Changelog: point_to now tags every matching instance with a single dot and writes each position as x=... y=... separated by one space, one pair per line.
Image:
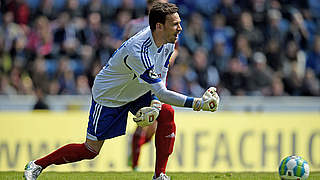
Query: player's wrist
x=194 y=103
x=197 y=104
x=156 y=104
x=189 y=101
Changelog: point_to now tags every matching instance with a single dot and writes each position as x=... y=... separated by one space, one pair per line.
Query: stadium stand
x=245 y=48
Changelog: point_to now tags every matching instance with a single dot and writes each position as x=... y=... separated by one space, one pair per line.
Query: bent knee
x=90 y=153
x=94 y=146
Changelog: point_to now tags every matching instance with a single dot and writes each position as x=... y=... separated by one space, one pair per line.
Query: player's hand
x=146 y=115
x=208 y=102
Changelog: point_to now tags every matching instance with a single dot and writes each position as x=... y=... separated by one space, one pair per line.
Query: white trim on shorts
x=96 y=115
x=91 y=137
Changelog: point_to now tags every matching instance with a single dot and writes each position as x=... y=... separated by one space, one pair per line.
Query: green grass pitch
x=148 y=176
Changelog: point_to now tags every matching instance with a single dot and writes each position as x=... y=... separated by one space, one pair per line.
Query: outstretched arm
x=208 y=102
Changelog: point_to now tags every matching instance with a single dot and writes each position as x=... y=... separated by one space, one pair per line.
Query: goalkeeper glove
x=208 y=102
x=146 y=115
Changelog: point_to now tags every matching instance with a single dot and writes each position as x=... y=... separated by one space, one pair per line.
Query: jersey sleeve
x=168 y=96
x=140 y=63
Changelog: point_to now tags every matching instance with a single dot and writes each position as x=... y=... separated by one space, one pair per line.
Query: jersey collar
x=153 y=46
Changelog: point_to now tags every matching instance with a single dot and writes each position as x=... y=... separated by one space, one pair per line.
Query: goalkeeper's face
x=172 y=28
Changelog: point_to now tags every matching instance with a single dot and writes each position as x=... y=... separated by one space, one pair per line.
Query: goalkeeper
x=143 y=135
x=133 y=80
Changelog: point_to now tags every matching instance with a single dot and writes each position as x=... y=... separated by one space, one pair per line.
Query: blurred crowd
x=243 y=47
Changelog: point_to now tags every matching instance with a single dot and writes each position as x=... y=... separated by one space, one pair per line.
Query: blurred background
x=245 y=48
x=262 y=55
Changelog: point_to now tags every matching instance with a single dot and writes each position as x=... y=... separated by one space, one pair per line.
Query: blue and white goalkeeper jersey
x=137 y=67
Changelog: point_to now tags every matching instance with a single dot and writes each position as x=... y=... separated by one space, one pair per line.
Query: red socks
x=138 y=140
x=165 y=137
x=67 y=154
x=164 y=141
x=140 y=137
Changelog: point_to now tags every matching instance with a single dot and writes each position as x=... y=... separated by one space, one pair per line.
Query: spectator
x=11 y=30
x=39 y=74
x=258 y=10
x=310 y=26
x=314 y=6
x=117 y=27
x=87 y=55
x=46 y=8
x=5 y=87
x=230 y=11
x=310 y=84
x=294 y=68
x=220 y=57
x=294 y=60
x=73 y=8
x=65 y=77
x=243 y=49
x=95 y=6
x=274 y=55
x=177 y=80
x=298 y=31
x=40 y=101
x=219 y=33
x=15 y=80
x=54 y=87
x=21 y=11
x=253 y=34
x=313 y=59
x=203 y=75
x=235 y=78
x=40 y=39
x=87 y=32
x=276 y=27
x=277 y=87
x=260 y=76
x=82 y=85
x=206 y=7
x=93 y=31
x=194 y=35
x=19 y=54
x=68 y=33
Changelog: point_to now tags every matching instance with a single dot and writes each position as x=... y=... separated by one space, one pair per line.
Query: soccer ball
x=294 y=167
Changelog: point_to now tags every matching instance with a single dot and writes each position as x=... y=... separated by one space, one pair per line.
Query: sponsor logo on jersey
x=152 y=74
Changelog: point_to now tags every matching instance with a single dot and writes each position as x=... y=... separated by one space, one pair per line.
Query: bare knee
x=94 y=145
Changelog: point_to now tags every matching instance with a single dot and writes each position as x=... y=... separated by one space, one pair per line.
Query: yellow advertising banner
x=223 y=141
